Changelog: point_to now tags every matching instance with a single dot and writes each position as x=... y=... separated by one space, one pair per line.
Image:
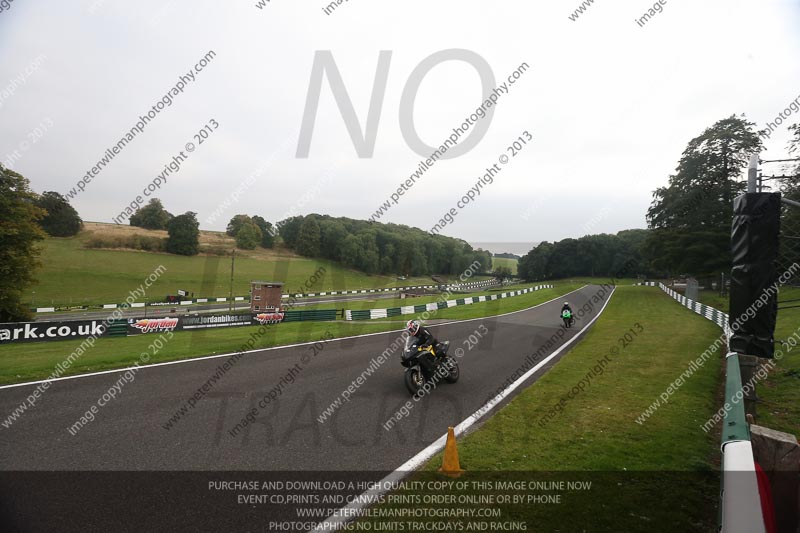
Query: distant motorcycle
x=428 y=364
x=566 y=316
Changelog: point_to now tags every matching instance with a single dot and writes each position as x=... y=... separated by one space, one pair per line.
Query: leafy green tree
x=235 y=224
x=332 y=234
x=565 y=260
x=151 y=216
x=19 y=233
x=61 y=219
x=535 y=265
x=437 y=259
x=379 y=247
x=791 y=187
x=368 y=257
x=631 y=257
x=309 y=237
x=600 y=255
x=387 y=264
x=485 y=259
x=349 y=251
x=289 y=230
x=267 y=236
x=248 y=236
x=698 y=202
x=789 y=252
x=184 y=234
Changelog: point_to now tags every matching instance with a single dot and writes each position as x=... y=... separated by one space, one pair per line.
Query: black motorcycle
x=427 y=364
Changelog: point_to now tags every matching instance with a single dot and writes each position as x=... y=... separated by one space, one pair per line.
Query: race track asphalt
x=128 y=433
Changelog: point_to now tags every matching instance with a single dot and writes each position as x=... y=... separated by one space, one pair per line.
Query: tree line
x=688 y=221
x=688 y=228
x=372 y=247
x=26 y=218
x=379 y=248
x=601 y=255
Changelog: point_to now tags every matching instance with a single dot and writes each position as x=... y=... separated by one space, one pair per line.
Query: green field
x=31 y=361
x=506 y=262
x=73 y=275
x=662 y=472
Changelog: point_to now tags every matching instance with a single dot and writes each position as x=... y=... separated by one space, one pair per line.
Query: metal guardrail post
x=740 y=501
x=735 y=419
x=749 y=366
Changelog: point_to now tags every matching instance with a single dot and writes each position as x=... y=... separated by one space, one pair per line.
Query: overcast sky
x=610 y=104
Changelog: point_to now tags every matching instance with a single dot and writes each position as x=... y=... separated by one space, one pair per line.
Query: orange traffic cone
x=450 y=466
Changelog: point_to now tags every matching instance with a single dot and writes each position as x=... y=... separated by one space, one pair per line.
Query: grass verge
x=645 y=476
x=779 y=394
x=31 y=361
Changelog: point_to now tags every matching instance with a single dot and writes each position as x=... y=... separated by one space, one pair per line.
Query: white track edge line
x=217 y=356
x=335 y=522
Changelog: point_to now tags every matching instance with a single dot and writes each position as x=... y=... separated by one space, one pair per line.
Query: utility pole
x=752 y=173
x=748 y=364
x=230 y=298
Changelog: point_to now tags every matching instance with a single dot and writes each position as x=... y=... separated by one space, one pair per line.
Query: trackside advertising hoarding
x=50 y=331
x=216 y=321
x=268 y=318
x=137 y=326
x=61 y=330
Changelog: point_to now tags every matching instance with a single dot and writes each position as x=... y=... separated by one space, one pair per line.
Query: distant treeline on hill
x=506 y=255
x=375 y=247
x=593 y=255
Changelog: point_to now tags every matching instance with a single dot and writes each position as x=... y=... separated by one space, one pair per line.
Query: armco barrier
x=741 y=504
x=317 y=315
x=455 y=287
x=371 y=314
x=65 y=330
x=138 y=326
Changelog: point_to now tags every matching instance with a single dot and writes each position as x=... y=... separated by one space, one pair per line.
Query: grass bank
x=648 y=476
x=74 y=275
x=30 y=361
x=779 y=394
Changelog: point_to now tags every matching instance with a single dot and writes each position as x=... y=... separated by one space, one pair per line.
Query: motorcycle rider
x=566 y=307
x=423 y=334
